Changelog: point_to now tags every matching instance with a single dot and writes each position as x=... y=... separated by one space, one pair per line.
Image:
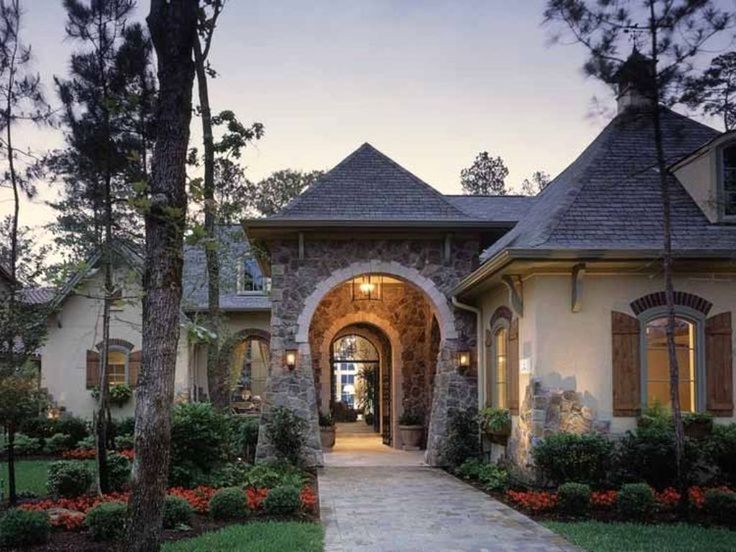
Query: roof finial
x=635 y=80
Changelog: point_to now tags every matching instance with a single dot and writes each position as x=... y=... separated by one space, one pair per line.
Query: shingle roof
x=38 y=295
x=493 y=208
x=5 y=274
x=367 y=185
x=609 y=197
x=234 y=247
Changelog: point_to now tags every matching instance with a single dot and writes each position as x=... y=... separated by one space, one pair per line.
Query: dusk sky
x=429 y=83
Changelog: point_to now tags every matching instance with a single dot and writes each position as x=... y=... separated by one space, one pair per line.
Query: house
x=550 y=307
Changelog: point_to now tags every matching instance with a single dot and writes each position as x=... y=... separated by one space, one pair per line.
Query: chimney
x=635 y=80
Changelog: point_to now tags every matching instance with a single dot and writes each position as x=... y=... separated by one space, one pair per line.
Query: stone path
x=385 y=503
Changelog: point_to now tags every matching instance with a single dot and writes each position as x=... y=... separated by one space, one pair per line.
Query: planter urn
x=411 y=436
x=499 y=435
x=327 y=435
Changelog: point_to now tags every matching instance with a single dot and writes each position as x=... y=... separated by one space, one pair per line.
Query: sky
x=430 y=83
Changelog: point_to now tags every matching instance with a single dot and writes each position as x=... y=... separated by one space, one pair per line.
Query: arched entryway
x=400 y=332
x=249 y=355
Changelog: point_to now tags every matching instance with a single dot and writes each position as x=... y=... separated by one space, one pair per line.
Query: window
x=656 y=384
x=729 y=181
x=500 y=357
x=250 y=278
x=117 y=366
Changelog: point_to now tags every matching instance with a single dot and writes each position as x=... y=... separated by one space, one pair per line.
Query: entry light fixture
x=290 y=359
x=463 y=361
x=368 y=287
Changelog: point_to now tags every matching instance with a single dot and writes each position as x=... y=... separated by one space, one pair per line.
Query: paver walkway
x=386 y=503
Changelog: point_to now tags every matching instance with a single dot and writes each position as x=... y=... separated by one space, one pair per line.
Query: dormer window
x=251 y=280
x=728 y=179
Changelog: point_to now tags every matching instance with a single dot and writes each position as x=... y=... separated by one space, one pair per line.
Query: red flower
x=534 y=501
x=603 y=499
x=198 y=498
x=128 y=453
x=79 y=454
x=668 y=498
x=308 y=498
x=256 y=497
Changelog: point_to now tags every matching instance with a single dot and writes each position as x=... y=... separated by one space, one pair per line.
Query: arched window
x=117 y=365
x=689 y=339
x=497 y=363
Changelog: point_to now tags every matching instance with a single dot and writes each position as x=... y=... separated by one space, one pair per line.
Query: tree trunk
x=668 y=269
x=12 y=495
x=217 y=379
x=173 y=31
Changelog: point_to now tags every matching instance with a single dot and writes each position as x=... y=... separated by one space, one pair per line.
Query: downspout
x=479 y=345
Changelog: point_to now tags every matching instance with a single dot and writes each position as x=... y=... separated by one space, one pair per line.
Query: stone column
x=452 y=391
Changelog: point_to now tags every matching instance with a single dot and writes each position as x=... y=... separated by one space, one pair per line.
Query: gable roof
x=609 y=197
x=367 y=185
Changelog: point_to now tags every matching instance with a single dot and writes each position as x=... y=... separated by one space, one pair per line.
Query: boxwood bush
x=720 y=452
x=721 y=506
x=567 y=457
x=463 y=437
x=177 y=511
x=574 y=498
x=282 y=501
x=635 y=501
x=229 y=504
x=69 y=478
x=118 y=471
x=20 y=528
x=107 y=521
x=287 y=433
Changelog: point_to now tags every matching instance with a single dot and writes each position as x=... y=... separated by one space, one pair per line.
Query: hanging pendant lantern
x=368 y=287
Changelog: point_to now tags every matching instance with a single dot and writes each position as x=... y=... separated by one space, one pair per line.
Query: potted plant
x=496 y=423
x=411 y=426
x=326 y=430
x=698 y=425
x=367 y=393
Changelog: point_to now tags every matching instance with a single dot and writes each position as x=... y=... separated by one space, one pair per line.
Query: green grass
x=256 y=537
x=30 y=475
x=597 y=536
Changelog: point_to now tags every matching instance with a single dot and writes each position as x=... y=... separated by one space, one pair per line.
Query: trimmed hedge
x=177 y=511
x=107 y=521
x=229 y=504
x=282 y=501
x=574 y=498
x=23 y=528
x=69 y=478
x=568 y=457
x=635 y=501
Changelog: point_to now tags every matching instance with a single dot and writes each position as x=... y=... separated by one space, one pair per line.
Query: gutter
x=479 y=347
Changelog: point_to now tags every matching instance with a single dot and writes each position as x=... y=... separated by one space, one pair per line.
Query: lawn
x=30 y=475
x=256 y=537
x=597 y=536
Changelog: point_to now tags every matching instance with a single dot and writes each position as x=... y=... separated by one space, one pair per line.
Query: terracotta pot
x=411 y=435
x=327 y=434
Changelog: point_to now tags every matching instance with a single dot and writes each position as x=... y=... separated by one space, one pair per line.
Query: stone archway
x=295 y=388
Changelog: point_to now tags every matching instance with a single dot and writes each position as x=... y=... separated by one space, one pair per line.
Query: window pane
x=501 y=345
x=116 y=361
x=657 y=359
x=729 y=180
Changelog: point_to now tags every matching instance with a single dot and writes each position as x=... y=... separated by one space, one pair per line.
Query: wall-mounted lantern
x=290 y=359
x=463 y=361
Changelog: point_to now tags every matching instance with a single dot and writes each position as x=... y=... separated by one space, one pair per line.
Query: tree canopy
x=486 y=176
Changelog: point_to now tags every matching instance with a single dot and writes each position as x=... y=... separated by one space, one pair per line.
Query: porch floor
x=357 y=445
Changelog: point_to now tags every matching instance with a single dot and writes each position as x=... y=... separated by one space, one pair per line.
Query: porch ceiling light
x=290 y=359
x=368 y=287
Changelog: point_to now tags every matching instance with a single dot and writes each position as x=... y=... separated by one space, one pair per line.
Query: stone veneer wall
x=402 y=306
x=299 y=285
x=545 y=412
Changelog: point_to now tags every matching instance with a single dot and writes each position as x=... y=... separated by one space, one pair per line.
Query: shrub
x=124 y=442
x=244 y=436
x=325 y=419
x=635 y=501
x=75 y=428
x=495 y=420
x=721 y=505
x=125 y=426
x=282 y=501
x=490 y=476
x=720 y=451
x=229 y=504
x=118 y=471
x=463 y=437
x=411 y=418
x=648 y=455
x=233 y=474
x=276 y=474
x=120 y=394
x=57 y=443
x=23 y=445
x=39 y=428
x=23 y=528
x=574 y=498
x=287 y=433
x=568 y=457
x=199 y=443
x=177 y=511
x=69 y=478
x=470 y=469
x=107 y=521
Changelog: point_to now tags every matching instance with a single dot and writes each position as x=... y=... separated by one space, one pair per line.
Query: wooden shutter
x=134 y=367
x=626 y=364
x=93 y=369
x=512 y=376
x=719 y=365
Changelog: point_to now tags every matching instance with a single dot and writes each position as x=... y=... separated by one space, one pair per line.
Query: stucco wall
x=572 y=351
x=699 y=178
